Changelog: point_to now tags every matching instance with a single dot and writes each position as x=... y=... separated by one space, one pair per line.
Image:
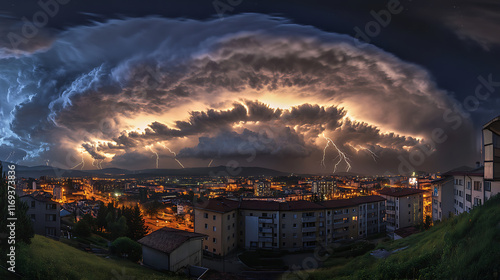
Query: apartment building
x=357 y=217
x=324 y=189
x=262 y=189
x=491 y=152
x=468 y=189
x=217 y=219
x=290 y=225
x=442 y=206
x=403 y=207
x=44 y=213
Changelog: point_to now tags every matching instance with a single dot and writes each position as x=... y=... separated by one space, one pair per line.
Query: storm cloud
x=216 y=89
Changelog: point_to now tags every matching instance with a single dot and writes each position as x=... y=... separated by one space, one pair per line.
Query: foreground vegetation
x=45 y=258
x=463 y=247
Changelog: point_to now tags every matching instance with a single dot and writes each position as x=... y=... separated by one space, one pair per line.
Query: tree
x=137 y=225
x=126 y=247
x=24 y=227
x=152 y=208
x=118 y=228
x=82 y=228
x=428 y=222
x=101 y=217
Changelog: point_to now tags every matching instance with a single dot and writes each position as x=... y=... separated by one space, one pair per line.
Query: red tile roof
x=168 y=239
x=399 y=192
x=222 y=205
x=260 y=205
x=303 y=205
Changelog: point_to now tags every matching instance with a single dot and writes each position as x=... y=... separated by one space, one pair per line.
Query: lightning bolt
x=210 y=163
x=11 y=154
x=150 y=147
x=341 y=155
x=97 y=164
x=82 y=163
x=175 y=155
x=374 y=156
x=324 y=154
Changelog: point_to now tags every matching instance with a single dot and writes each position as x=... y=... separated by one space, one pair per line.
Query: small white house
x=172 y=249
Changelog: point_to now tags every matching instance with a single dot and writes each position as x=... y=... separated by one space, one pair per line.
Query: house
x=172 y=249
x=44 y=213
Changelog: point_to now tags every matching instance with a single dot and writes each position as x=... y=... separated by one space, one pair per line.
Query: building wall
x=410 y=210
x=225 y=230
x=189 y=253
x=290 y=230
x=46 y=221
x=403 y=211
x=155 y=258
x=344 y=223
x=442 y=205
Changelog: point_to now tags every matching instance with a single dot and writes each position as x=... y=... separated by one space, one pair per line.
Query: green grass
x=463 y=247
x=48 y=259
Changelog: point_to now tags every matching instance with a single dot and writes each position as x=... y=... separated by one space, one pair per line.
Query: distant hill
x=38 y=171
x=462 y=247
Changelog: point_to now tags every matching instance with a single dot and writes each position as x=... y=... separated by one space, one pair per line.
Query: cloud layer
x=252 y=88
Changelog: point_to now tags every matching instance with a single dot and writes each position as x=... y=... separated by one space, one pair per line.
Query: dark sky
x=279 y=84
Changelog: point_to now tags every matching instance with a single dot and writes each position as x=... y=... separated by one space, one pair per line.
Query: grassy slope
x=49 y=259
x=463 y=247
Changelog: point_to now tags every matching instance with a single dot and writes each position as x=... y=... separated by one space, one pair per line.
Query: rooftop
x=342 y=203
x=40 y=196
x=464 y=171
x=226 y=205
x=168 y=239
x=221 y=205
x=399 y=192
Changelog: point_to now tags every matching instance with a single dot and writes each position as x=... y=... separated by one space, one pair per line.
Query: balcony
x=266 y=239
x=309 y=238
x=309 y=229
x=265 y=220
x=308 y=219
x=266 y=230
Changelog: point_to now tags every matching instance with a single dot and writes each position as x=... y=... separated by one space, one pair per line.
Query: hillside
x=38 y=171
x=463 y=247
x=49 y=259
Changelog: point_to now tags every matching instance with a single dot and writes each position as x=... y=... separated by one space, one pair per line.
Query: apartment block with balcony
x=355 y=218
x=468 y=190
x=44 y=213
x=291 y=225
x=404 y=207
x=442 y=205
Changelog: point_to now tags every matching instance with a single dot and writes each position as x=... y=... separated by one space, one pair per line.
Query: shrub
x=126 y=247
